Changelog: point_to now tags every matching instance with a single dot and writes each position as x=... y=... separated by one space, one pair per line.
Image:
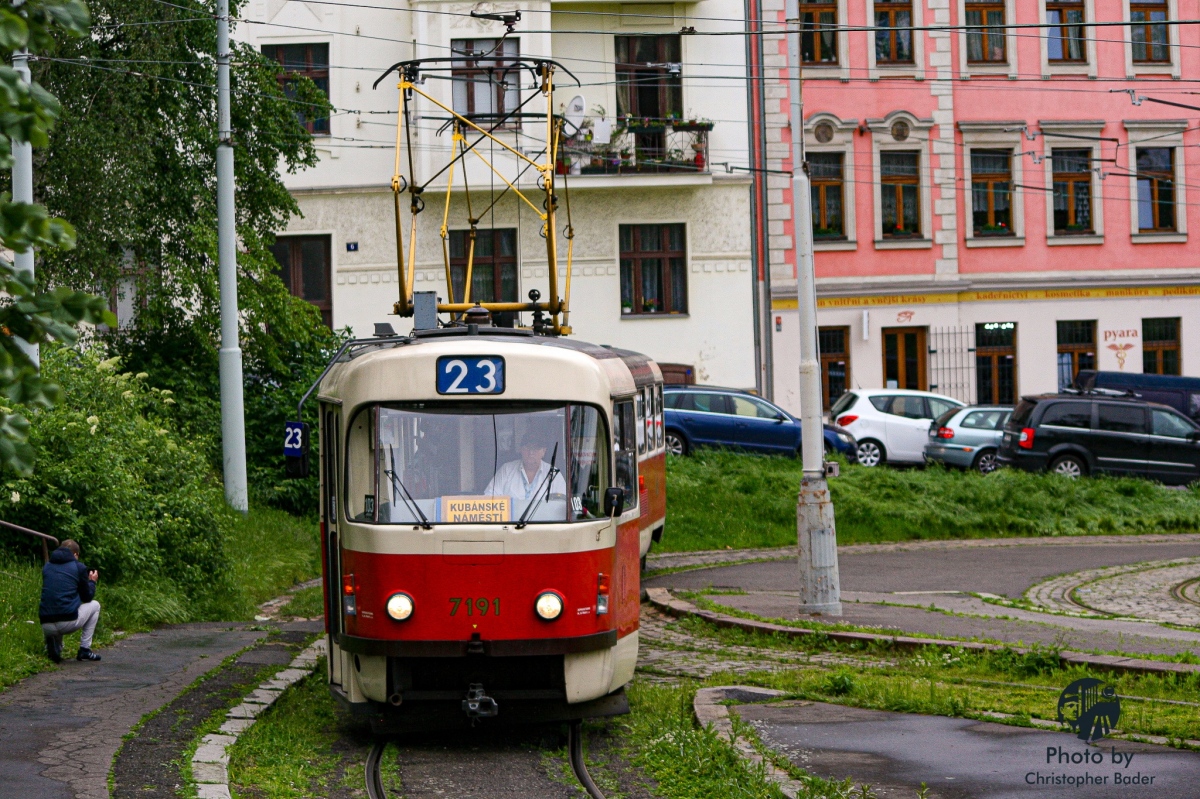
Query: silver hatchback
x=968 y=437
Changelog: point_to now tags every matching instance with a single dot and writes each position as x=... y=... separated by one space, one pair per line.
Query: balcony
x=634 y=146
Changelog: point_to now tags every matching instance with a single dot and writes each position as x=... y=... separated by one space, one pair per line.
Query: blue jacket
x=65 y=586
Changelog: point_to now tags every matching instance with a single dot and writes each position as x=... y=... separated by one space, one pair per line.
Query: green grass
x=308 y=603
x=719 y=499
x=271 y=551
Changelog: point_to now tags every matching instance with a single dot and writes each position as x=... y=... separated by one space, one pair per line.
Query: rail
x=36 y=534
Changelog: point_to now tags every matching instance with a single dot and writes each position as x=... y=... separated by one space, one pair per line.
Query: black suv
x=1080 y=434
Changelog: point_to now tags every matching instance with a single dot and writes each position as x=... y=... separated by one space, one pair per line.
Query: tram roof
x=359 y=370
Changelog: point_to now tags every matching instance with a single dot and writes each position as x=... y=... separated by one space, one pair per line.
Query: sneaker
x=87 y=654
x=54 y=648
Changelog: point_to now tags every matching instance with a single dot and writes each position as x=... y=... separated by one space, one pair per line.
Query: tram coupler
x=478 y=705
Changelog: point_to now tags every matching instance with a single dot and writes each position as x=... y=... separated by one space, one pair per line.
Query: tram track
x=373 y=770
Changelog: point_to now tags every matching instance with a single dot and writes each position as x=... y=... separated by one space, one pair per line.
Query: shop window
x=893 y=32
x=985 y=43
x=995 y=363
x=818 y=32
x=1072 y=175
x=835 y=363
x=904 y=358
x=494 y=267
x=901 y=194
x=306 y=61
x=653 y=270
x=828 y=194
x=1156 y=189
x=1064 y=37
x=991 y=192
x=1148 y=31
x=1160 y=346
x=487 y=83
x=304 y=267
x=1076 y=350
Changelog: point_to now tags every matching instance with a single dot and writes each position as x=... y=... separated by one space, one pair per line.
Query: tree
x=27 y=113
x=134 y=161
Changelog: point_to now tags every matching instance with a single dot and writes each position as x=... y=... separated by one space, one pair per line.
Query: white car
x=890 y=424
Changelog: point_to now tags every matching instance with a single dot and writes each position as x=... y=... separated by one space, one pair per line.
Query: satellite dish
x=574 y=113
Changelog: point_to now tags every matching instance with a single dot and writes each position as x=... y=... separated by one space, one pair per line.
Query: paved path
x=924 y=588
x=895 y=753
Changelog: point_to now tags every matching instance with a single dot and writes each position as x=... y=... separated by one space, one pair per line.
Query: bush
x=114 y=474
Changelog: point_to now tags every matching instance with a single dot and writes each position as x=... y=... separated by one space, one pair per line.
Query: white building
x=662 y=248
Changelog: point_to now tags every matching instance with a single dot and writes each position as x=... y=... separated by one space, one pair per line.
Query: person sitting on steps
x=68 y=602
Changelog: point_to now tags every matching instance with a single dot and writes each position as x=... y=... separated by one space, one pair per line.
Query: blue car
x=708 y=416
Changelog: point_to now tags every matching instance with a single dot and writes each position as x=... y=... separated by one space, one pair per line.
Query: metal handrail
x=27 y=531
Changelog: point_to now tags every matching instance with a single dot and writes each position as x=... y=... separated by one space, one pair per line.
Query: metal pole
x=820 y=589
x=22 y=189
x=233 y=421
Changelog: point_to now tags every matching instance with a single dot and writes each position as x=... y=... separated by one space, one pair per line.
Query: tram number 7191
x=475 y=607
x=470 y=375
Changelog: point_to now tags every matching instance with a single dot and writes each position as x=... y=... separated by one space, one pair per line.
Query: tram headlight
x=549 y=605
x=400 y=606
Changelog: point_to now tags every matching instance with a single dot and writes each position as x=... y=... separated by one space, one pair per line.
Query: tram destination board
x=470 y=374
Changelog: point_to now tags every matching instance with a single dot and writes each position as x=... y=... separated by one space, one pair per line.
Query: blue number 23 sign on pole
x=470 y=374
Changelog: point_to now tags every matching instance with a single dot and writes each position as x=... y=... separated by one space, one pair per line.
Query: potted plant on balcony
x=649 y=305
x=645 y=125
x=626 y=307
x=693 y=125
x=1000 y=229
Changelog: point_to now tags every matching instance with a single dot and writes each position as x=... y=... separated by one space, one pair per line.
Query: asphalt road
x=895 y=753
x=995 y=569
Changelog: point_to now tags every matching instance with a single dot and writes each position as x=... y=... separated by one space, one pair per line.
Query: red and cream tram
x=487 y=494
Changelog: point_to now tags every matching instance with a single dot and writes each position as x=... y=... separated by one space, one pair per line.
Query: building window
x=985 y=37
x=1148 y=31
x=1076 y=350
x=1160 y=346
x=653 y=269
x=304 y=267
x=825 y=170
x=835 y=363
x=493 y=269
x=818 y=32
x=893 y=46
x=1156 y=189
x=995 y=363
x=900 y=175
x=1064 y=37
x=649 y=88
x=307 y=61
x=904 y=358
x=1072 y=175
x=991 y=192
x=487 y=84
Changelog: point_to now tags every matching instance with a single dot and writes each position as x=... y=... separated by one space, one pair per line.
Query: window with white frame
x=1072 y=191
x=1074 y=207
x=829 y=150
x=818 y=32
x=903 y=207
x=993 y=167
x=895 y=48
x=1157 y=180
x=1064 y=35
x=984 y=46
x=991 y=192
x=1151 y=40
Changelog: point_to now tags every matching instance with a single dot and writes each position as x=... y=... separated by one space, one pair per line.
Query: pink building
x=993 y=212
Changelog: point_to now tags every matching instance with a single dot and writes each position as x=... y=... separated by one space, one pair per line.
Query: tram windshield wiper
x=548 y=481
x=400 y=491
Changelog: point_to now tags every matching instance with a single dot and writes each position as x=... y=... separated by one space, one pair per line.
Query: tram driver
x=522 y=478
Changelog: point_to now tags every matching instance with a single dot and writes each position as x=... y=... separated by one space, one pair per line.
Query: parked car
x=890 y=424
x=1181 y=393
x=1093 y=433
x=728 y=417
x=968 y=437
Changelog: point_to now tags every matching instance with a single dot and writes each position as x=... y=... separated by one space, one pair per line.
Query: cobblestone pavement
x=60 y=729
x=1161 y=591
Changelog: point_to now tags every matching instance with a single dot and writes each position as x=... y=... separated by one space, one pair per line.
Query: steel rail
x=374 y=774
x=578 y=765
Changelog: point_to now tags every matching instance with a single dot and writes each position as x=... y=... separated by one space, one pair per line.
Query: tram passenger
x=521 y=478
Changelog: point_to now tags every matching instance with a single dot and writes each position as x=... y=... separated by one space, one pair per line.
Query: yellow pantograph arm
x=516 y=191
x=406 y=85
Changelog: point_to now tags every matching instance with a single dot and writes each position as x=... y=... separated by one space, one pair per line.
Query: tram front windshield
x=460 y=463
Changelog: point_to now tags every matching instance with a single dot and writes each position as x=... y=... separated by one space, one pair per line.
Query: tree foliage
x=134 y=162
x=27 y=114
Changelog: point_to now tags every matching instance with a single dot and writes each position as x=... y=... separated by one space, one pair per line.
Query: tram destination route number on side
x=462 y=374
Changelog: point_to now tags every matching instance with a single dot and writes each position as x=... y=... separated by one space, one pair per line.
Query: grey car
x=968 y=437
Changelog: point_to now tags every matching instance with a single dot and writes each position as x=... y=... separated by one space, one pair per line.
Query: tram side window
x=658 y=416
x=625 y=450
x=589 y=461
x=640 y=404
x=360 y=469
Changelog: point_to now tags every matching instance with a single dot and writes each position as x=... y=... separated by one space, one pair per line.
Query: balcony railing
x=637 y=147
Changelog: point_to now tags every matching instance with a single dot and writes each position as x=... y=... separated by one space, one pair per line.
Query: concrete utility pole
x=22 y=189
x=233 y=419
x=820 y=588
